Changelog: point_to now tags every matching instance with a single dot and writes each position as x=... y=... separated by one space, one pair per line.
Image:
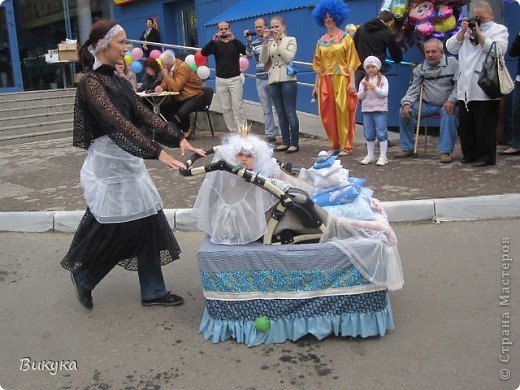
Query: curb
x=434 y=210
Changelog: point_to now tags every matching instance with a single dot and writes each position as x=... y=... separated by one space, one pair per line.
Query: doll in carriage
x=290 y=254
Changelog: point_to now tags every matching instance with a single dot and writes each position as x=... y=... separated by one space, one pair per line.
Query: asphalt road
x=450 y=330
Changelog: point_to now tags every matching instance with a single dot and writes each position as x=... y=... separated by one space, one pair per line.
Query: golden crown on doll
x=244 y=129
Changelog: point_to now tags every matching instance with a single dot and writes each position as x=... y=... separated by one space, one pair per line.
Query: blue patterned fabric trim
x=272 y=280
x=275 y=309
x=349 y=324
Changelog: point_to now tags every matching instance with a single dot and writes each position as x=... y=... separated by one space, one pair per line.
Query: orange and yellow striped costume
x=335 y=62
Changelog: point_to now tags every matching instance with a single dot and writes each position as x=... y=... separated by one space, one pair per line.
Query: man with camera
x=478 y=113
x=227 y=50
x=253 y=49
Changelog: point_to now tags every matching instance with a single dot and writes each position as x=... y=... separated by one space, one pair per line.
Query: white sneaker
x=368 y=160
x=381 y=161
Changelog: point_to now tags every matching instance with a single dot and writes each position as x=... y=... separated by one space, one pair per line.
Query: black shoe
x=482 y=163
x=281 y=148
x=168 y=300
x=466 y=160
x=507 y=152
x=84 y=296
x=271 y=139
x=291 y=151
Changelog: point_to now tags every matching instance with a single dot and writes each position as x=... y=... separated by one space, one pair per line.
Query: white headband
x=108 y=37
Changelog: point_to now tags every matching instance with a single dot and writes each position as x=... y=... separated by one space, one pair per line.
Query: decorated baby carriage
x=267 y=289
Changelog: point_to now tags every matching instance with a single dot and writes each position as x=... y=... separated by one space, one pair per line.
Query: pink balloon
x=244 y=64
x=155 y=54
x=137 y=53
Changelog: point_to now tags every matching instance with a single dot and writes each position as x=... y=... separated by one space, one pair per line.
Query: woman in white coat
x=478 y=113
x=276 y=54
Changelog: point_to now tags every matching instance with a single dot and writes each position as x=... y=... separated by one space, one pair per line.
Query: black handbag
x=488 y=78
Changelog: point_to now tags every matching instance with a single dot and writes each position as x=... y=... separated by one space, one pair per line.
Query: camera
x=224 y=35
x=250 y=34
x=473 y=22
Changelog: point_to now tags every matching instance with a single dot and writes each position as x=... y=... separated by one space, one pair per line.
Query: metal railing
x=195 y=49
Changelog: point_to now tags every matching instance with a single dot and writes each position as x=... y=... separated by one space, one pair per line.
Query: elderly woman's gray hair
x=167 y=57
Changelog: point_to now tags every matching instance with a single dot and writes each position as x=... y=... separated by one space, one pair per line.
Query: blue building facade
x=205 y=14
x=190 y=23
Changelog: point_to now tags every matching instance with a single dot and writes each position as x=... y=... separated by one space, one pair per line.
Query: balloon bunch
x=134 y=57
x=433 y=19
x=197 y=62
x=418 y=20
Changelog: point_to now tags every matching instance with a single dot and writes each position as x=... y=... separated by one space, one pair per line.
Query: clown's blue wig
x=336 y=8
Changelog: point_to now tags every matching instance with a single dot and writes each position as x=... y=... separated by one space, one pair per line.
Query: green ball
x=262 y=324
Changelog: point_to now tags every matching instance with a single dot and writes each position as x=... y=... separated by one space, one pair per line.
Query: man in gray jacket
x=438 y=75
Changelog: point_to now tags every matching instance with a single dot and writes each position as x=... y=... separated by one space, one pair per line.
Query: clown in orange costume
x=335 y=62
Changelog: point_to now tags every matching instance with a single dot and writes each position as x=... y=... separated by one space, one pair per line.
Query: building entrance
x=181 y=28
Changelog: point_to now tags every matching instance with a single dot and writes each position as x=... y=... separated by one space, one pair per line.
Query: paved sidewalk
x=43 y=176
x=447 y=334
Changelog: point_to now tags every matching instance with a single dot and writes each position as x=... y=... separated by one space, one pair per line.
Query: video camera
x=250 y=34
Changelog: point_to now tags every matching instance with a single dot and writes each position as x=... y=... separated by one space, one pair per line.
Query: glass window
x=40 y=27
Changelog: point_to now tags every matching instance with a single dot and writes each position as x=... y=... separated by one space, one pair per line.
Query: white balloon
x=190 y=59
x=203 y=72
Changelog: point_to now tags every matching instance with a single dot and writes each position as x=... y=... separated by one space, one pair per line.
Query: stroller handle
x=190 y=171
x=222 y=165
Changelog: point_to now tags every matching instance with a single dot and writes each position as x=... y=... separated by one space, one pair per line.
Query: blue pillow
x=357 y=209
x=340 y=195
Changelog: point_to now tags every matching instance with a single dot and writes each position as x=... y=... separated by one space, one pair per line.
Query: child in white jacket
x=373 y=93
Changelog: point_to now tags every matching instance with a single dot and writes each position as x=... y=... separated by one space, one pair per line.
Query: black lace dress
x=107 y=106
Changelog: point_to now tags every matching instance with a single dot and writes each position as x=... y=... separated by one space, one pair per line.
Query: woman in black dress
x=151 y=34
x=124 y=223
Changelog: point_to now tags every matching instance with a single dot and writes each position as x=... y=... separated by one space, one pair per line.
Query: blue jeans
x=150 y=278
x=374 y=125
x=448 y=127
x=284 y=99
x=262 y=88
